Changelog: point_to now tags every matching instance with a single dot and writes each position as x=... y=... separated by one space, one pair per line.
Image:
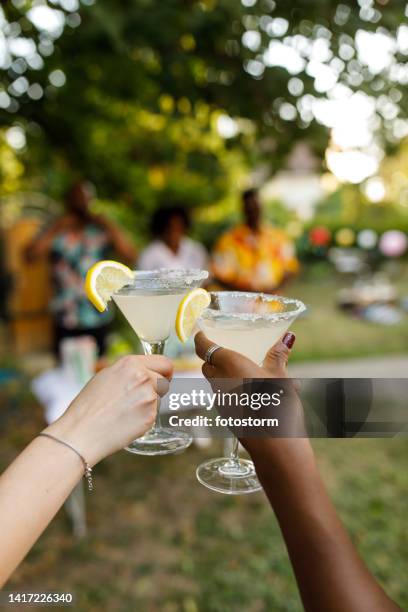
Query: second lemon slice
x=190 y=308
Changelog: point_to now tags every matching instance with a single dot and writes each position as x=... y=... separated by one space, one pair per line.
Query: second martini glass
x=249 y=323
x=150 y=305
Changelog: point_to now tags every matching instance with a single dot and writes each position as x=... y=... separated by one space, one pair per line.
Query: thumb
x=276 y=359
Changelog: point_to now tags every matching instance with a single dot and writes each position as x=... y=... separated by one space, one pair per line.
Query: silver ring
x=210 y=352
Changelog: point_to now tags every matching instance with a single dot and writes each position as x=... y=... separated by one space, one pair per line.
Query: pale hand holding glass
x=150 y=304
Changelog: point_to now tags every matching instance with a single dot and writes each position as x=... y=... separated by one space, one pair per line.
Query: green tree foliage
x=130 y=92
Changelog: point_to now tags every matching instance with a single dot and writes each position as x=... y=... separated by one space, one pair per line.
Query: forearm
x=121 y=244
x=116 y=406
x=40 y=246
x=330 y=574
x=32 y=490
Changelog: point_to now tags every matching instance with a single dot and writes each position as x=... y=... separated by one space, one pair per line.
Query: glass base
x=229 y=477
x=160 y=441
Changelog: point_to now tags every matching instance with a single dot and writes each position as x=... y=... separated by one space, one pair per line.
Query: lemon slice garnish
x=103 y=279
x=190 y=308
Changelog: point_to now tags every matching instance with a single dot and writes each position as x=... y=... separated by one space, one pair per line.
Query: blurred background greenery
x=183 y=100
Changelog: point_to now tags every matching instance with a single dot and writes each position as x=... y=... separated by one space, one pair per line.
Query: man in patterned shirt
x=254 y=256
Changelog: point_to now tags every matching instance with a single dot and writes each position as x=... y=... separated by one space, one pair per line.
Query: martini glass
x=249 y=323
x=150 y=304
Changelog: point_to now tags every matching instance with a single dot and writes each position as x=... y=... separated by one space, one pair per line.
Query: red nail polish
x=289 y=340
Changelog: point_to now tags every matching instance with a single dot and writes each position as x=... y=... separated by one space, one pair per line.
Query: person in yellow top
x=254 y=256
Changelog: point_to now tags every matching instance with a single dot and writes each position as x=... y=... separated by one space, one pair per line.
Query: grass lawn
x=328 y=333
x=159 y=542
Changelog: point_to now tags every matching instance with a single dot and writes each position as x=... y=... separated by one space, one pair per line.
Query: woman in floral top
x=254 y=256
x=73 y=243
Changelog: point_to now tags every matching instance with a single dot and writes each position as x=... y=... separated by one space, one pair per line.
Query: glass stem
x=234 y=458
x=154 y=348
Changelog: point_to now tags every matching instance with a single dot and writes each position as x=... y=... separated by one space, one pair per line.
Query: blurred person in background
x=73 y=243
x=171 y=247
x=254 y=256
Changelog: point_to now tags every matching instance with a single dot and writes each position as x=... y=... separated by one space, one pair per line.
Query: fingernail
x=289 y=340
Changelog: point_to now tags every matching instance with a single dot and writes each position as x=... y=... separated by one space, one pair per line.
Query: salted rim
x=163 y=278
x=213 y=313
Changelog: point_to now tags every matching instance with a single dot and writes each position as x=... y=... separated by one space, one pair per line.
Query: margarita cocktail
x=151 y=314
x=249 y=323
x=149 y=303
